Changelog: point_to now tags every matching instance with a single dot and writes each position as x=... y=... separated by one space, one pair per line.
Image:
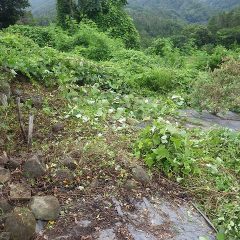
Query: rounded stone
x=33 y=168
x=20 y=224
x=140 y=174
x=130 y=184
x=5 y=175
x=64 y=175
x=69 y=162
x=5 y=207
x=5 y=89
x=13 y=163
x=45 y=207
x=58 y=127
x=37 y=101
x=5 y=236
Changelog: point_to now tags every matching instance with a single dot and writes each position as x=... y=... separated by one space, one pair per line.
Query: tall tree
x=65 y=8
x=11 y=11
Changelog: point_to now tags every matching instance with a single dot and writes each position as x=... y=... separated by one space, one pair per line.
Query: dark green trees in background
x=11 y=11
x=64 y=10
x=222 y=29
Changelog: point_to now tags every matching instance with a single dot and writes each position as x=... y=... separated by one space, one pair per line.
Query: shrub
x=50 y=66
x=161 y=80
x=164 y=47
x=95 y=45
x=219 y=90
x=44 y=36
x=167 y=148
x=86 y=39
x=206 y=162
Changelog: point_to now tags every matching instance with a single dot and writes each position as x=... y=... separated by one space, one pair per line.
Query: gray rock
x=5 y=207
x=64 y=237
x=107 y=234
x=14 y=163
x=20 y=224
x=58 y=127
x=5 y=89
x=130 y=184
x=45 y=207
x=5 y=175
x=3 y=100
x=5 y=236
x=144 y=124
x=77 y=154
x=63 y=175
x=40 y=225
x=17 y=92
x=140 y=174
x=2 y=143
x=37 y=101
x=3 y=159
x=33 y=168
x=69 y=162
x=20 y=191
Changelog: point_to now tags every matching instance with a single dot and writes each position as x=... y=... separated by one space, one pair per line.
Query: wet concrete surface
x=148 y=219
x=206 y=120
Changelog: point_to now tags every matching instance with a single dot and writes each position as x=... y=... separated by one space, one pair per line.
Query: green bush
x=206 y=162
x=167 y=148
x=170 y=55
x=161 y=80
x=219 y=90
x=86 y=39
x=50 y=36
x=50 y=66
x=95 y=45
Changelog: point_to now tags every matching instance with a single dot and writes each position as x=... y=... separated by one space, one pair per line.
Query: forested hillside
x=106 y=133
x=164 y=18
x=188 y=10
x=221 y=4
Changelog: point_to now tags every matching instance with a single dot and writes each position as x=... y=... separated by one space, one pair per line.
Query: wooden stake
x=30 y=130
x=3 y=99
x=20 y=119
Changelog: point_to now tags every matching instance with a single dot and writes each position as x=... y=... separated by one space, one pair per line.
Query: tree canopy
x=11 y=11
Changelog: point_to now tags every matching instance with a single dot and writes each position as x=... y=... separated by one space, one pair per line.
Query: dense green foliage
x=207 y=162
x=11 y=11
x=219 y=90
x=103 y=80
x=109 y=15
x=115 y=20
x=63 y=11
